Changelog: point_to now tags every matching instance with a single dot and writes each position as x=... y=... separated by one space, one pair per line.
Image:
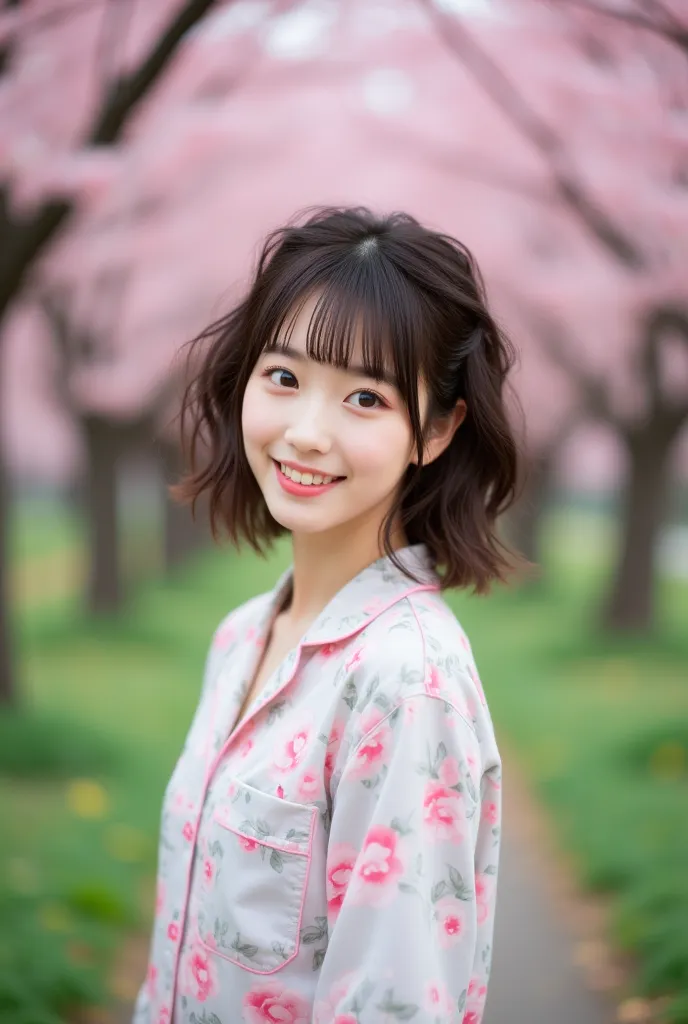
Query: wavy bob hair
x=418 y=300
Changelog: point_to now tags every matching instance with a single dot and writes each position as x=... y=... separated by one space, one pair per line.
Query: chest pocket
x=258 y=851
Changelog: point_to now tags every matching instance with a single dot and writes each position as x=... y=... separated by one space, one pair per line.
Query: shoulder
x=232 y=629
x=418 y=648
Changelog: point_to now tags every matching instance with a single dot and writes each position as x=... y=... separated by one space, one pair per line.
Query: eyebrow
x=356 y=369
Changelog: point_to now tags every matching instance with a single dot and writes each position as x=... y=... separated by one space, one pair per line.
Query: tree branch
x=510 y=101
x=127 y=92
x=21 y=240
x=676 y=34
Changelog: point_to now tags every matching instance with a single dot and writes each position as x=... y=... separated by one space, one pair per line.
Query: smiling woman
x=334 y=818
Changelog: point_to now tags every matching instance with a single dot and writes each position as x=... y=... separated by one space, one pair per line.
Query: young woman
x=330 y=835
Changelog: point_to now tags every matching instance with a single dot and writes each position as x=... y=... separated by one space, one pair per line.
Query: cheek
x=383 y=451
x=257 y=417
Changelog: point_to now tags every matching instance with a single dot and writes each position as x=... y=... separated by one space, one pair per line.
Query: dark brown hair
x=419 y=300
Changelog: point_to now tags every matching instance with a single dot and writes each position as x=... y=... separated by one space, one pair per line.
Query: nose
x=308 y=430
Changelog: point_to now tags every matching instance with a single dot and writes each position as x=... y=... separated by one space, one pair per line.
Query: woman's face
x=347 y=435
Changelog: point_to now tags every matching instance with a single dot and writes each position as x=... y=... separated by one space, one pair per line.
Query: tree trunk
x=525 y=519
x=631 y=603
x=8 y=687
x=183 y=535
x=105 y=590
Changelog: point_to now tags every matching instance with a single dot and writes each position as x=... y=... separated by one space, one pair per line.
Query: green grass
x=601 y=727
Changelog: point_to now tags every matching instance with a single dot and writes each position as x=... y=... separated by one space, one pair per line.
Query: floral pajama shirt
x=333 y=858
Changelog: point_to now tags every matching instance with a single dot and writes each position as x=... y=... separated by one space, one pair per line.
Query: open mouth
x=304 y=485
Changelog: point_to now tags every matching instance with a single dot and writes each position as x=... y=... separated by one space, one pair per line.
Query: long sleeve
x=412 y=867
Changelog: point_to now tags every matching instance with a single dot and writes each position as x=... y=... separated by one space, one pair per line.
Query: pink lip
x=301 y=490
x=303 y=469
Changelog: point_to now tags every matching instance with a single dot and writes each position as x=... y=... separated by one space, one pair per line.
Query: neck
x=325 y=562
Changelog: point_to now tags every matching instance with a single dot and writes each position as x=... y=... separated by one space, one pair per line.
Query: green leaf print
x=297 y=835
x=491 y=869
x=361 y=996
x=461 y=890
x=407 y=887
x=470 y=787
x=245 y=948
x=315 y=932
x=276 y=711
x=350 y=695
x=439 y=890
x=462 y=1000
x=318 y=957
x=402 y=828
x=401 y=1011
x=278 y=947
x=277 y=862
x=205 y=1018
x=215 y=849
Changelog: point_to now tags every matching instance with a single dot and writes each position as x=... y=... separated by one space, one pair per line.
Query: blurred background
x=145 y=150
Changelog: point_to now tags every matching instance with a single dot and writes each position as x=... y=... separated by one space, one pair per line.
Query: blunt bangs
x=364 y=311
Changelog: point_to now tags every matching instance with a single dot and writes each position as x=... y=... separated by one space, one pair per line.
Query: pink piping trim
x=237 y=732
x=297 y=947
x=288 y=847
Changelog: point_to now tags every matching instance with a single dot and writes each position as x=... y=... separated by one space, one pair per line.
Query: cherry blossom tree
x=598 y=91
x=62 y=111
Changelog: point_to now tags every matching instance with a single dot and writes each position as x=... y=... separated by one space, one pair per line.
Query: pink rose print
x=442 y=812
x=151 y=978
x=354 y=660
x=293 y=750
x=376 y=605
x=280 y=792
x=345 y=1018
x=272 y=1004
x=438 y=1001
x=248 y=844
x=475 y=1002
x=448 y=771
x=164 y=1015
x=491 y=813
x=341 y=860
x=377 y=868
x=309 y=785
x=188 y=831
x=173 y=931
x=224 y=635
x=182 y=801
x=450 y=921
x=329 y=766
x=327 y=650
x=197 y=976
x=325 y=1011
x=246 y=748
x=435 y=682
x=483 y=896
x=208 y=870
x=370 y=755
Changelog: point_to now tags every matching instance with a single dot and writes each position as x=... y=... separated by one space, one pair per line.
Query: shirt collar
x=377 y=587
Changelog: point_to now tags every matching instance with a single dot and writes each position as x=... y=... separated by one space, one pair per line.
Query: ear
x=441 y=433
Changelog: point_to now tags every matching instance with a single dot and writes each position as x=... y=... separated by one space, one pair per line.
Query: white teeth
x=305 y=478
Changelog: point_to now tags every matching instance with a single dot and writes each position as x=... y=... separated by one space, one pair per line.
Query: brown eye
x=282 y=378
x=368 y=400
